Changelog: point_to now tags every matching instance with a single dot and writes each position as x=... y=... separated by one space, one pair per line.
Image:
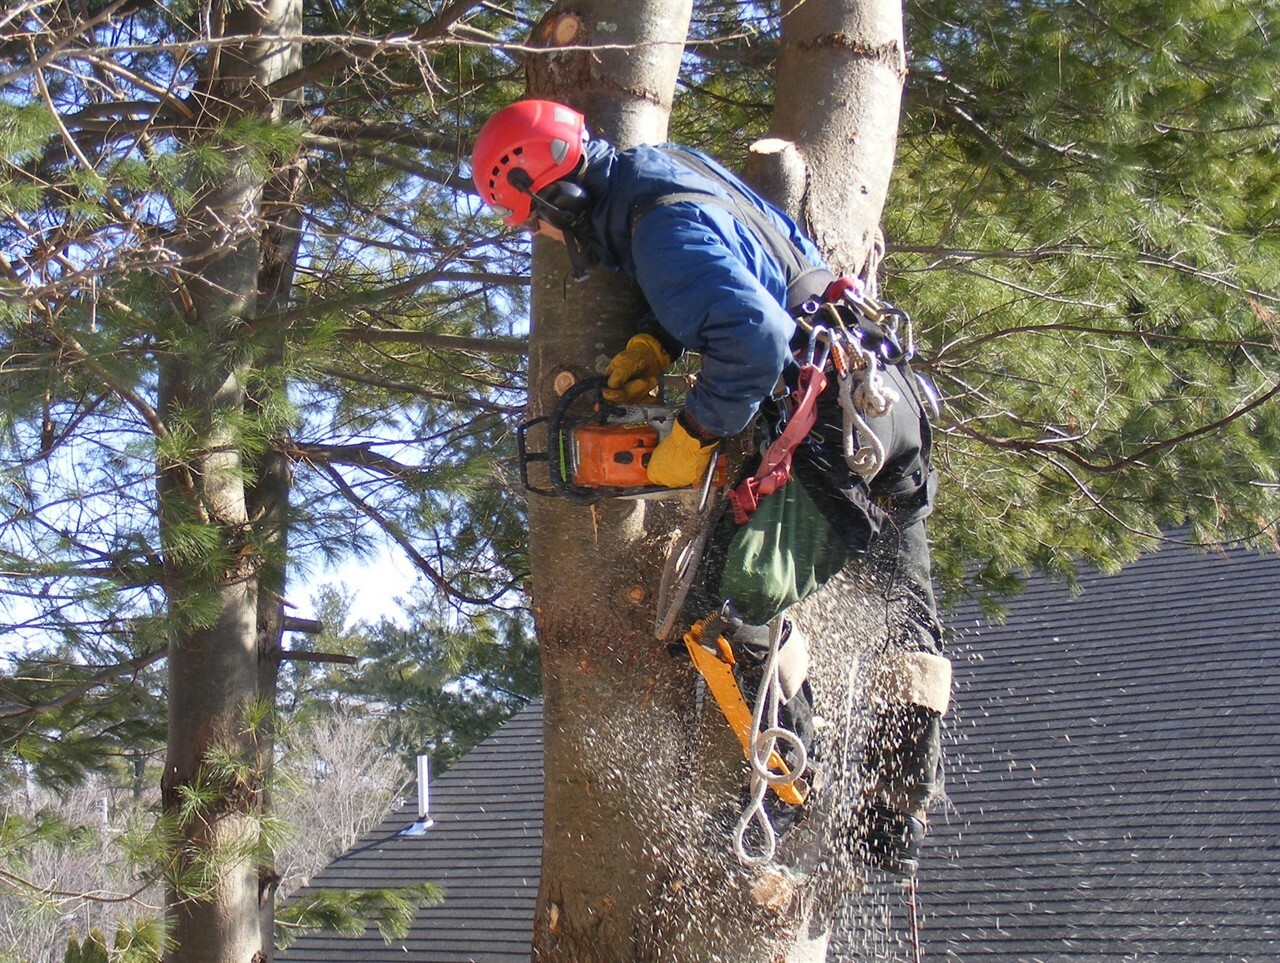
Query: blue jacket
x=711 y=283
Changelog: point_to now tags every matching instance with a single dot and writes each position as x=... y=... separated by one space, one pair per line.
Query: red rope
x=775 y=467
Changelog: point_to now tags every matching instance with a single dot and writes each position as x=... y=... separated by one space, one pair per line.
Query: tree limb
x=1119 y=464
x=428 y=339
x=393 y=531
x=84 y=688
x=333 y=63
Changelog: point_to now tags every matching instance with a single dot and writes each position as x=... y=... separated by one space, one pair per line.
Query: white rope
x=763 y=744
x=868 y=458
x=872 y=395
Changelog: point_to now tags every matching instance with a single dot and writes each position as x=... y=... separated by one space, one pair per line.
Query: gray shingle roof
x=1112 y=764
x=485 y=848
x=1114 y=770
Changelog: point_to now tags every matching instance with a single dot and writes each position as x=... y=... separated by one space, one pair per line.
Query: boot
x=901 y=770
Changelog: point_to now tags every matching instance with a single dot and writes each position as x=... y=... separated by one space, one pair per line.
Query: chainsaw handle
x=527 y=456
x=555 y=436
x=559 y=461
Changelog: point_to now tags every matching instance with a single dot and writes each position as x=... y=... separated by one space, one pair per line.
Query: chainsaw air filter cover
x=612 y=455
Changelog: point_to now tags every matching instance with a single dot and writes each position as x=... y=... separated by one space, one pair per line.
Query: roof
x=1113 y=773
x=1114 y=770
x=484 y=847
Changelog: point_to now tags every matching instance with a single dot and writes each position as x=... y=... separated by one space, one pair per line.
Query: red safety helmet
x=540 y=137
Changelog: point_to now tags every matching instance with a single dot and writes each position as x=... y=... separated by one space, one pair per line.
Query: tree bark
x=214 y=744
x=828 y=163
x=833 y=134
x=609 y=689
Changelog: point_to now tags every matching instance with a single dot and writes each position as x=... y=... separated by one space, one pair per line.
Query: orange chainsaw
x=597 y=450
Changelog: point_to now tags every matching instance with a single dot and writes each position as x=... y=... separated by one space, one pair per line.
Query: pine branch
x=1119 y=464
x=76 y=692
x=399 y=289
x=418 y=391
x=353 y=129
x=394 y=161
x=325 y=67
x=394 y=532
x=443 y=342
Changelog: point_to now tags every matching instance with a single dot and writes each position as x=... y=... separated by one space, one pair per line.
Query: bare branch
x=444 y=342
x=1119 y=464
x=394 y=532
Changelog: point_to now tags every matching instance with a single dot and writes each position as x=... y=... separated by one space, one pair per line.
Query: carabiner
x=904 y=343
x=820 y=335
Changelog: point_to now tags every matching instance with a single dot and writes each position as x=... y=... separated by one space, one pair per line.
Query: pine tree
x=228 y=283
x=284 y=311
x=1085 y=216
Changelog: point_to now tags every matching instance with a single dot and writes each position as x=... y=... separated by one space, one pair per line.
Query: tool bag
x=826 y=516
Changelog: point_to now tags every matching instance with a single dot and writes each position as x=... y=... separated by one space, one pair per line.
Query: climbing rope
x=765 y=742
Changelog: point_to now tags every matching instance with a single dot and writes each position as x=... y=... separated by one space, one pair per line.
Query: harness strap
x=804 y=280
x=775 y=467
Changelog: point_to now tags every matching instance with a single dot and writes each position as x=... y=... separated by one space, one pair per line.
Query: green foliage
x=436 y=685
x=1083 y=220
x=140 y=942
x=349 y=911
x=60 y=743
x=92 y=950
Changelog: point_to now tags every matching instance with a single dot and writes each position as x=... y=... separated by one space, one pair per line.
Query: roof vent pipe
x=424 y=820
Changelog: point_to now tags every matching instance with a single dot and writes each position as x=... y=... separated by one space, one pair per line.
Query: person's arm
x=709 y=297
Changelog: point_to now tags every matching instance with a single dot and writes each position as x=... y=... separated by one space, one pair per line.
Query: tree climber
x=729 y=276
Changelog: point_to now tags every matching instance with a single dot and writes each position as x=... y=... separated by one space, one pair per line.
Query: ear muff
x=563 y=204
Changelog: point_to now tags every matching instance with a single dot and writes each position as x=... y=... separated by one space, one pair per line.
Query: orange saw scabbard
x=716 y=667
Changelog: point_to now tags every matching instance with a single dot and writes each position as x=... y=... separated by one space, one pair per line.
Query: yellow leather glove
x=681 y=459
x=634 y=371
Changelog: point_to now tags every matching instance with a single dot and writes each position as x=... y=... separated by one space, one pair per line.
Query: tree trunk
x=212 y=781
x=834 y=130
x=635 y=864
x=828 y=163
x=611 y=695
x=272 y=476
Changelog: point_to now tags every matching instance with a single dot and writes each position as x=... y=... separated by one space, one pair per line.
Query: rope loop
x=765 y=741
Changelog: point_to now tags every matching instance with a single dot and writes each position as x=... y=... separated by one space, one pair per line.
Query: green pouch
x=785 y=553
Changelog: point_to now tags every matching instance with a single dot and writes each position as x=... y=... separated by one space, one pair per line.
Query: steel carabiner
x=815 y=355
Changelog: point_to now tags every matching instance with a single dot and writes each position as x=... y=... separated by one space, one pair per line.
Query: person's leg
x=908 y=689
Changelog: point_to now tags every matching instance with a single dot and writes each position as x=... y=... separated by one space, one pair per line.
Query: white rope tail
x=764 y=743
